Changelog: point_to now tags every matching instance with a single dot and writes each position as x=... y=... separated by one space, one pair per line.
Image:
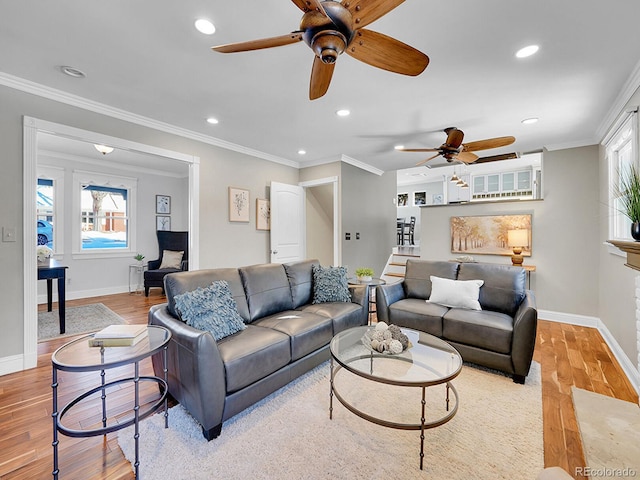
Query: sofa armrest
x=154 y=264
x=385 y=296
x=525 y=325
x=195 y=369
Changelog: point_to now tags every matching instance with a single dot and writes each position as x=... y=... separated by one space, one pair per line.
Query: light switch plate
x=8 y=234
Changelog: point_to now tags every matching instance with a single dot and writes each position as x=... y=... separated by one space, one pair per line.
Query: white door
x=287 y=223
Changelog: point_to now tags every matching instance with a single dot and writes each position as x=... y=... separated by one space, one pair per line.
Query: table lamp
x=517 y=239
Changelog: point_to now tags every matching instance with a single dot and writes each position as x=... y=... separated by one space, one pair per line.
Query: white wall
x=411 y=210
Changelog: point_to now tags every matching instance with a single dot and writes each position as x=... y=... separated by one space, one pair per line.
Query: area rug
x=496 y=434
x=82 y=319
x=610 y=431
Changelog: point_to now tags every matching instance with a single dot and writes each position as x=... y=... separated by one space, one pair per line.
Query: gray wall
x=368 y=209
x=565 y=232
x=319 y=210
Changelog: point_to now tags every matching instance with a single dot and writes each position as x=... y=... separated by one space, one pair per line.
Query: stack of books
x=119 y=336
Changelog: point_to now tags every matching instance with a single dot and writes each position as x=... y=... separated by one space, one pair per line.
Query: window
x=45 y=196
x=621 y=151
x=49 y=207
x=105 y=213
x=104 y=217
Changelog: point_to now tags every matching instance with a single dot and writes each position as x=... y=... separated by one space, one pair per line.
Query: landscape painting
x=487 y=234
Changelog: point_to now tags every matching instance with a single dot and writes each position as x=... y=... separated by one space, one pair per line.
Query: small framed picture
x=163 y=222
x=238 y=204
x=419 y=198
x=403 y=199
x=163 y=204
x=263 y=214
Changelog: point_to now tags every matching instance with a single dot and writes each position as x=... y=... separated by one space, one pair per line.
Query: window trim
x=56 y=175
x=83 y=177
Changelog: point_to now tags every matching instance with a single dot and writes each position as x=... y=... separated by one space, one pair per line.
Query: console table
x=49 y=271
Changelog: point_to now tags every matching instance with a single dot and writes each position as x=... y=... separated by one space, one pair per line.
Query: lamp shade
x=518 y=238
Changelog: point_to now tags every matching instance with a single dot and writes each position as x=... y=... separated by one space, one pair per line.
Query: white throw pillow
x=171 y=259
x=456 y=293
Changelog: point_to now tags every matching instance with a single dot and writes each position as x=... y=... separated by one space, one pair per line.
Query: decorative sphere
x=381 y=326
x=395 y=347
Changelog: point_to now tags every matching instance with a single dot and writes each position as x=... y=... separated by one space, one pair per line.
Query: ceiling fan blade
x=259 y=44
x=497 y=158
x=419 y=150
x=381 y=51
x=466 y=157
x=308 y=5
x=487 y=144
x=425 y=161
x=321 y=74
x=454 y=137
x=366 y=11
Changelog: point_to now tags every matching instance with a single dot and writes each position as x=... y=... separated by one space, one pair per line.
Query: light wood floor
x=569 y=355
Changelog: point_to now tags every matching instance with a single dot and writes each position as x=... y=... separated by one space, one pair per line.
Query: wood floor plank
x=569 y=356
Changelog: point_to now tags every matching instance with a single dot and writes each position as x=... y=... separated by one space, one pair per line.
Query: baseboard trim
x=12 y=364
x=79 y=294
x=630 y=370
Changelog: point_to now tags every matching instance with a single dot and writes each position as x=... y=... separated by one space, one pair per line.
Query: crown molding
x=629 y=88
x=361 y=165
x=43 y=91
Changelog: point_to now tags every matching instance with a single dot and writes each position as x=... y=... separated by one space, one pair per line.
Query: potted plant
x=628 y=192
x=139 y=257
x=364 y=274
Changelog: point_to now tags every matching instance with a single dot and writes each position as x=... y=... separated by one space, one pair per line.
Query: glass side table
x=136 y=277
x=77 y=356
x=372 y=284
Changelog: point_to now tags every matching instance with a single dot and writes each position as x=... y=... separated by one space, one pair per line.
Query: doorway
x=323 y=222
x=33 y=129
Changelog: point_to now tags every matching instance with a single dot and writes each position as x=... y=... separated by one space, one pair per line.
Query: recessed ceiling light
x=212 y=121
x=343 y=112
x=72 y=72
x=398 y=147
x=205 y=26
x=529 y=121
x=302 y=152
x=527 y=51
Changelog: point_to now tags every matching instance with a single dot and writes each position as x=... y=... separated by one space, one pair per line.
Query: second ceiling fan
x=331 y=28
x=454 y=150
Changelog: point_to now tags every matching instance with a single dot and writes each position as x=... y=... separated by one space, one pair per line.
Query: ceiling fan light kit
x=331 y=28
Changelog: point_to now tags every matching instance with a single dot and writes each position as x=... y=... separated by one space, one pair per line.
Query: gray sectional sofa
x=501 y=335
x=285 y=336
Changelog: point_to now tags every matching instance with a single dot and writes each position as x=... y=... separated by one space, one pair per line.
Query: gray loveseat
x=286 y=335
x=501 y=335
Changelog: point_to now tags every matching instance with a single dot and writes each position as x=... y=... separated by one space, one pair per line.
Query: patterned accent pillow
x=330 y=284
x=211 y=308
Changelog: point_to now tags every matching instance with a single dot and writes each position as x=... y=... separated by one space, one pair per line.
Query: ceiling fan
x=331 y=28
x=454 y=150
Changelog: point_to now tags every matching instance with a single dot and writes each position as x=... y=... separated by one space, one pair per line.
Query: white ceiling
x=145 y=57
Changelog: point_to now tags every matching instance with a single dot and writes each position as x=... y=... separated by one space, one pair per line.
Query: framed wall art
x=163 y=204
x=488 y=234
x=238 y=204
x=419 y=198
x=403 y=199
x=163 y=222
x=263 y=214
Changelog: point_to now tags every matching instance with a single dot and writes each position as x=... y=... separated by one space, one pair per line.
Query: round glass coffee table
x=428 y=362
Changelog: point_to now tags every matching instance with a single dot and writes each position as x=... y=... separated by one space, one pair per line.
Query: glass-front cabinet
x=502 y=185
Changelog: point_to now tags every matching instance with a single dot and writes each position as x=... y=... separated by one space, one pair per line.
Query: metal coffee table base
x=422 y=426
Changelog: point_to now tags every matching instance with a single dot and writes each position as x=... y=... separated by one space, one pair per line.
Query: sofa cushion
x=171 y=259
x=181 y=282
x=212 y=309
x=330 y=284
x=300 y=275
x=485 y=329
x=417 y=314
x=455 y=293
x=307 y=331
x=417 y=282
x=504 y=286
x=267 y=289
x=252 y=354
x=343 y=315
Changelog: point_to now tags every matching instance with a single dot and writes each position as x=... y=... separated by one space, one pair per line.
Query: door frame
x=337 y=253
x=31 y=128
